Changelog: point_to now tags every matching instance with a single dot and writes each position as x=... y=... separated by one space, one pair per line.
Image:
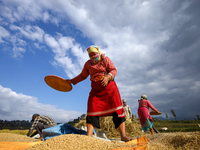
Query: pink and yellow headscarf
x=100 y=56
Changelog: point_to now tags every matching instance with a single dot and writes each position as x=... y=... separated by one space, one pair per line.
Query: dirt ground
x=164 y=141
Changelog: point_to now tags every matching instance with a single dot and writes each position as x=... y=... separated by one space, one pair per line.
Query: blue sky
x=153 y=44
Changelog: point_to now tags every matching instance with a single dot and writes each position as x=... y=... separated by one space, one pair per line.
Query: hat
x=124 y=100
x=34 y=115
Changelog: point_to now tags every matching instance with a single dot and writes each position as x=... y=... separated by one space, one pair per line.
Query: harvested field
x=164 y=141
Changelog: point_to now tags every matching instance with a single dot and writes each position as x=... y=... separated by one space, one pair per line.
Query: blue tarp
x=61 y=129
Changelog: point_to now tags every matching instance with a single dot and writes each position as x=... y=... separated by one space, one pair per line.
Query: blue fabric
x=61 y=129
x=146 y=128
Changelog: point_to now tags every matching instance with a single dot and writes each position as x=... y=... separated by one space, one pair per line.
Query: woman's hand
x=69 y=81
x=158 y=112
x=106 y=80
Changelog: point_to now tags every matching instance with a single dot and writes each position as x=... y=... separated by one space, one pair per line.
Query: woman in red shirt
x=104 y=98
x=143 y=113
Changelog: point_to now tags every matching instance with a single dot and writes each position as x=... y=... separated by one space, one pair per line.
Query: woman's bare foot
x=125 y=139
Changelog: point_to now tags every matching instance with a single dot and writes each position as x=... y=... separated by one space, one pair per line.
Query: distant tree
x=166 y=115
x=173 y=113
x=198 y=117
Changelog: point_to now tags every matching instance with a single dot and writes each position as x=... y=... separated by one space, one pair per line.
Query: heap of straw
x=133 y=128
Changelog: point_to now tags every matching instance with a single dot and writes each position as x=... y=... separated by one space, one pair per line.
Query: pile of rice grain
x=76 y=142
x=11 y=137
x=175 y=141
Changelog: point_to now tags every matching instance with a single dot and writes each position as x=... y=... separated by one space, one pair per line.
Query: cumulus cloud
x=65 y=49
x=17 y=106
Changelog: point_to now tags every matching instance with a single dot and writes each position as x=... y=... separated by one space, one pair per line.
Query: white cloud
x=27 y=10
x=30 y=32
x=17 y=51
x=19 y=38
x=3 y=34
x=65 y=49
x=46 y=16
x=17 y=106
x=51 y=42
x=7 y=13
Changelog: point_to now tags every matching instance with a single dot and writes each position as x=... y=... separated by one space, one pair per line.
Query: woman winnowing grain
x=144 y=115
x=104 y=98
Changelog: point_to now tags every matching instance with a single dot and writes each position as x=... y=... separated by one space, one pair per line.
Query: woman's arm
x=82 y=76
x=110 y=68
x=111 y=71
x=151 y=106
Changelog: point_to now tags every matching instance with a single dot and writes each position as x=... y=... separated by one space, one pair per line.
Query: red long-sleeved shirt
x=101 y=68
x=146 y=103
